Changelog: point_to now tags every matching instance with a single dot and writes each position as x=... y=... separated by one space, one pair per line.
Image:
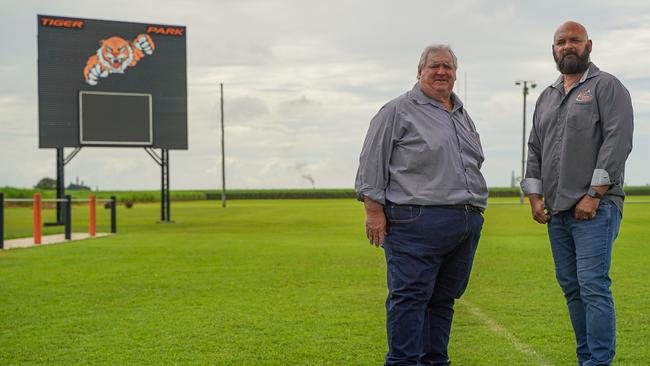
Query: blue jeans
x=429 y=254
x=582 y=252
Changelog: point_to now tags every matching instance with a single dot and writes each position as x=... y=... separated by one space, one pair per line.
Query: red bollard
x=92 y=228
x=37 y=219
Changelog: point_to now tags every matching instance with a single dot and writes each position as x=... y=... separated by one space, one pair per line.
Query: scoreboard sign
x=108 y=83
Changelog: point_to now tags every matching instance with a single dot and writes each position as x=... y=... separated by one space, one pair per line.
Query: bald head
x=571 y=27
x=571 y=48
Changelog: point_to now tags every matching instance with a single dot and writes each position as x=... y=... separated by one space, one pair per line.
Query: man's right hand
x=375 y=222
x=537 y=207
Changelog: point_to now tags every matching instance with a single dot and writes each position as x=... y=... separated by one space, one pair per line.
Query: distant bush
x=10 y=192
x=46 y=183
x=504 y=192
x=243 y=194
x=637 y=191
x=238 y=194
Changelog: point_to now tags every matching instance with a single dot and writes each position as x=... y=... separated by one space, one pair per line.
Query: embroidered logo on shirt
x=584 y=96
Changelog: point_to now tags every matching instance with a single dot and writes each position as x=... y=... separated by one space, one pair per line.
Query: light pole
x=223 y=154
x=523 y=136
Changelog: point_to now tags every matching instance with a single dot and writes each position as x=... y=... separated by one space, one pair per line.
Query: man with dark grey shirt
x=419 y=178
x=580 y=140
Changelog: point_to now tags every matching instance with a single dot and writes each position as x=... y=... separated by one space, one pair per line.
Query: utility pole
x=223 y=155
x=523 y=138
x=465 y=101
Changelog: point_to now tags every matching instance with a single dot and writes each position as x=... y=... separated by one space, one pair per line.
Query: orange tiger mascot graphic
x=114 y=55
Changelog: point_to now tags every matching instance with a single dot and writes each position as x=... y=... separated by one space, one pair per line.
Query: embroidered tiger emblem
x=114 y=55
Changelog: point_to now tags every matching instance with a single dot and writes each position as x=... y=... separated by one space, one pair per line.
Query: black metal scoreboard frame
x=112 y=84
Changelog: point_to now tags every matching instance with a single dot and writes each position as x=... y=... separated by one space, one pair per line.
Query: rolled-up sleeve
x=373 y=174
x=617 y=121
x=532 y=184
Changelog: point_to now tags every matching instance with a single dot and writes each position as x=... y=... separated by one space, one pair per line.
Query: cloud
x=303 y=79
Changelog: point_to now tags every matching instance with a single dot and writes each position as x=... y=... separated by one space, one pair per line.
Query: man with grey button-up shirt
x=580 y=140
x=419 y=178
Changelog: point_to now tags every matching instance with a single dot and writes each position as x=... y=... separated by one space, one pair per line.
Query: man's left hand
x=586 y=208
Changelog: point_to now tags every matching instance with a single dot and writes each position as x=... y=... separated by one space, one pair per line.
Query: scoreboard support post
x=165 y=197
x=61 y=162
x=60 y=188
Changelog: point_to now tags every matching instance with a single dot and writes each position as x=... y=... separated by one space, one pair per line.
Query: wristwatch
x=594 y=193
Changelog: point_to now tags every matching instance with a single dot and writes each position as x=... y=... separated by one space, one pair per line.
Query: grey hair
x=434 y=48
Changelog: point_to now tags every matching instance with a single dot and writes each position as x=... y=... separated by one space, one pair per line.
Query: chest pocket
x=582 y=116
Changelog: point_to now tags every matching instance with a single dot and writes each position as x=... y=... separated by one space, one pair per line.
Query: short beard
x=575 y=65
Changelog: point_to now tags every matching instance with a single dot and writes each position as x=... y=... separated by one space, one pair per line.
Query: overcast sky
x=303 y=79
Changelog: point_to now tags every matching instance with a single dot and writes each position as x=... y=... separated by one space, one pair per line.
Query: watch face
x=593 y=193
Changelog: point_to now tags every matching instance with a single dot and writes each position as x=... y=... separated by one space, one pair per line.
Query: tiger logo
x=114 y=55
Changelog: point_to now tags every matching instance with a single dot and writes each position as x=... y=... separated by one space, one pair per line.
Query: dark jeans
x=429 y=254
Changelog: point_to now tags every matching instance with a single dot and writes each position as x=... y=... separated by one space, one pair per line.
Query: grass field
x=289 y=282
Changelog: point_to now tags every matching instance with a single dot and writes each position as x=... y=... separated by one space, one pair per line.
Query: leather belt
x=467 y=207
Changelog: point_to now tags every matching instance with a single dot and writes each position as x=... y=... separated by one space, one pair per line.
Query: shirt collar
x=592 y=70
x=417 y=95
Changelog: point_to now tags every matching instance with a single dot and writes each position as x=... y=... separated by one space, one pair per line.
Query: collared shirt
x=579 y=139
x=416 y=152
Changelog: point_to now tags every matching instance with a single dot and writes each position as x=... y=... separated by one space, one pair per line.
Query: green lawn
x=289 y=282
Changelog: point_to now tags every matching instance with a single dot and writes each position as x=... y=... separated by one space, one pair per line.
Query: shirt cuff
x=374 y=194
x=600 y=178
x=531 y=186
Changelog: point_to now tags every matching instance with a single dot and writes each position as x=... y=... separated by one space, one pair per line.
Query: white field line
x=503 y=332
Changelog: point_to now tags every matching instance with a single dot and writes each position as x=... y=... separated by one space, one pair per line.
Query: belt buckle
x=472 y=208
